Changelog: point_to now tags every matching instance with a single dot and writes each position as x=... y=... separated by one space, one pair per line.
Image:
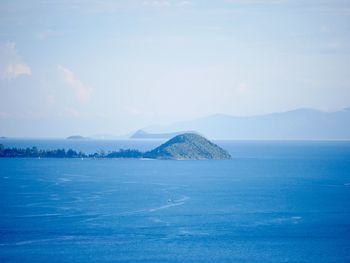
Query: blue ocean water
x=273 y=202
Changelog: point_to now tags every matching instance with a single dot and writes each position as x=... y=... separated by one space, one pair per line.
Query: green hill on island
x=187 y=146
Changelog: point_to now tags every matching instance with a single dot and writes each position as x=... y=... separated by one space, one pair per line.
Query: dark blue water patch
x=281 y=205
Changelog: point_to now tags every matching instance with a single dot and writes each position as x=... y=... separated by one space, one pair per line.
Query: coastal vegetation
x=188 y=146
x=34 y=152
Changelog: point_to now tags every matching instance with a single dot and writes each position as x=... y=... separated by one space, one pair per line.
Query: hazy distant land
x=140 y=134
x=300 y=124
x=77 y=137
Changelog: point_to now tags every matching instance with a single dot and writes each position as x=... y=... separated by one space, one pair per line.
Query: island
x=187 y=146
x=76 y=137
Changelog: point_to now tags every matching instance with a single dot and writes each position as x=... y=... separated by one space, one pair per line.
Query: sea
x=275 y=201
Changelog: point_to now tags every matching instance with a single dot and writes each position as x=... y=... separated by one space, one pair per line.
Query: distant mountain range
x=303 y=124
x=140 y=134
x=77 y=137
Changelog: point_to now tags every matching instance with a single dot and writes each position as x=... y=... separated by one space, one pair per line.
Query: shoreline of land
x=188 y=146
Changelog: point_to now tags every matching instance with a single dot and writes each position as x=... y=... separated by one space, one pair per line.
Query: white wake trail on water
x=177 y=202
x=35 y=241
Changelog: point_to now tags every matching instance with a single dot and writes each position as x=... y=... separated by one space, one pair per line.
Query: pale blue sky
x=89 y=67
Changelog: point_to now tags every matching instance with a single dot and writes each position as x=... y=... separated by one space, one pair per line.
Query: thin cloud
x=242 y=88
x=4 y=115
x=72 y=112
x=48 y=33
x=81 y=91
x=11 y=64
x=166 y=3
x=250 y=2
x=156 y=3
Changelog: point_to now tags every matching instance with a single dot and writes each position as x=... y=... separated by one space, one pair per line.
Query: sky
x=110 y=67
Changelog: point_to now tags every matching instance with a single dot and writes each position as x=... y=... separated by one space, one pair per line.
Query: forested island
x=34 y=152
x=188 y=146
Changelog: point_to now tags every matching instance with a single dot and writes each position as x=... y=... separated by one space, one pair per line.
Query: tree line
x=34 y=152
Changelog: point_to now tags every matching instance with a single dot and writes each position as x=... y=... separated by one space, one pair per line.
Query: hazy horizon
x=112 y=67
x=209 y=121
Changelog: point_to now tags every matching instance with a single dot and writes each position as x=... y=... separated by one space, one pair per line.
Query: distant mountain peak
x=141 y=134
x=76 y=137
